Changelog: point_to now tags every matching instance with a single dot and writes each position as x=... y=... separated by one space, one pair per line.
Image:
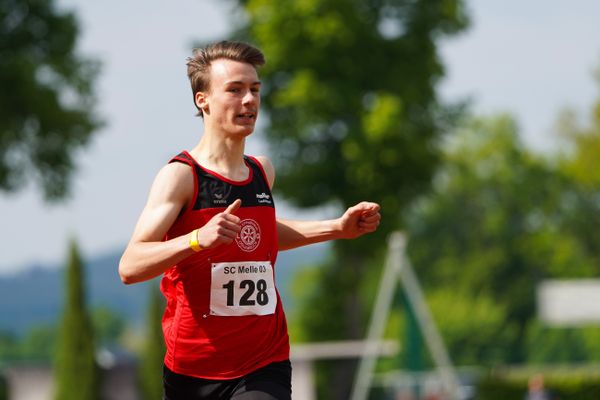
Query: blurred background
x=475 y=125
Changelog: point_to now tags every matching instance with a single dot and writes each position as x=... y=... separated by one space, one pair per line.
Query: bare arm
x=356 y=221
x=147 y=255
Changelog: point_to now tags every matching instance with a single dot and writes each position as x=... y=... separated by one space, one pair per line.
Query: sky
x=527 y=58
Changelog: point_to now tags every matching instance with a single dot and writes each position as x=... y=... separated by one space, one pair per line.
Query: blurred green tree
x=580 y=161
x=46 y=101
x=496 y=224
x=353 y=114
x=552 y=345
x=108 y=325
x=154 y=348
x=8 y=346
x=39 y=343
x=75 y=370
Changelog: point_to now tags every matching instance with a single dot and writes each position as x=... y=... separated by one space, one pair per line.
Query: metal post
x=381 y=309
x=429 y=330
x=397 y=267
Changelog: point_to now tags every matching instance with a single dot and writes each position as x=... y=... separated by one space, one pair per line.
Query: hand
x=222 y=229
x=359 y=219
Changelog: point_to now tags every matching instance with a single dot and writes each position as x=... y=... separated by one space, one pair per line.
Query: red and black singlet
x=224 y=317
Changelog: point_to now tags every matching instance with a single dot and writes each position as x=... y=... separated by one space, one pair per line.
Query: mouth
x=250 y=116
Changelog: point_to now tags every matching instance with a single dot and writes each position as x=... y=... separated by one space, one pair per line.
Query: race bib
x=242 y=288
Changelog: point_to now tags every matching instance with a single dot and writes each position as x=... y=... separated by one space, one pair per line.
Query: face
x=232 y=101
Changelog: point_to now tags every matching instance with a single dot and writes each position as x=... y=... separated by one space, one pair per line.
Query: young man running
x=209 y=226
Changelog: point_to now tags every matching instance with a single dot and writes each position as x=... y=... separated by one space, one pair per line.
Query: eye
x=233 y=90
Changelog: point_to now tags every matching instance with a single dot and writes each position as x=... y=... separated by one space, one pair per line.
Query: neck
x=222 y=154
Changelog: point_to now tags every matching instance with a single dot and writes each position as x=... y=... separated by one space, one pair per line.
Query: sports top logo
x=263 y=198
x=249 y=237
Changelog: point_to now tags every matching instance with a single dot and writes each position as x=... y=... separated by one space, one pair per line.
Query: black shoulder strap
x=257 y=166
x=182 y=157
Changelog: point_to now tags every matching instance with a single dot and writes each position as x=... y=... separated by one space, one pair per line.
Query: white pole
x=429 y=329
x=381 y=309
x=398 y=267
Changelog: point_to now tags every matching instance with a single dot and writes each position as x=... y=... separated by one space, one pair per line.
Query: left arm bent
x=356 y=221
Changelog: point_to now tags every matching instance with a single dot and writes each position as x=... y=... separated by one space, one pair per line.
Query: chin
x=242 y=131
x=246 y=130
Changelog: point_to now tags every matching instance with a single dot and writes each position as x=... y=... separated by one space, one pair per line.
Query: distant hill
x=35 y=295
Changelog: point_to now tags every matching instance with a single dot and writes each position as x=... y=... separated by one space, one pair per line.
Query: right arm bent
x=147 y=255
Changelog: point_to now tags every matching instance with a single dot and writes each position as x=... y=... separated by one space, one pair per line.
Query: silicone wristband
x=194 y=245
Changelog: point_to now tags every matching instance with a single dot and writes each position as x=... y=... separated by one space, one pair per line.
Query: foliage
x=47 y=96
x=39 y=343
x=8 y=346
x=75 y=358
x=304 y=286
x=580 y=160
x=108 y=325
x=499 y=221
x=154 y=351
x=490 y=389
x=555 y=345
x=475 y=325
x=574 y=384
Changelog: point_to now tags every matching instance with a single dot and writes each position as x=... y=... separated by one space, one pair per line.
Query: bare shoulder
x=174 y=183
x=171 y=192
x=268 y=168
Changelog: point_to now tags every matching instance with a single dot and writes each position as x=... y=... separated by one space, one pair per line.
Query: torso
x=224 y=317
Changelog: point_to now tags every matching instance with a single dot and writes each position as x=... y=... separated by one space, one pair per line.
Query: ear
x=201 y=100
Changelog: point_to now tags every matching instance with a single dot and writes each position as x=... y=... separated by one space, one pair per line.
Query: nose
x=250 y=98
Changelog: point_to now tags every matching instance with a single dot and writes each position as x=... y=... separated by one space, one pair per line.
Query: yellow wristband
x=194 y=245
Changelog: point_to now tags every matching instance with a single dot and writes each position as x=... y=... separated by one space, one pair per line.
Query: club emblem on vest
x=249 y=237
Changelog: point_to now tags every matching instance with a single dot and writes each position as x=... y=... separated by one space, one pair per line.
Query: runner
x=210 y=228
